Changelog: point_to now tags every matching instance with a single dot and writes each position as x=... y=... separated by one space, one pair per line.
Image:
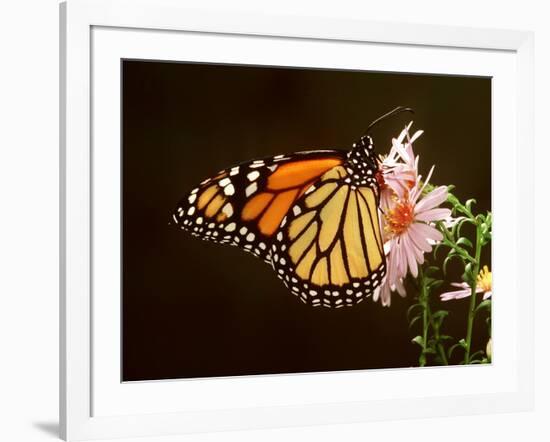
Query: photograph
x=362 y=200
x=261 y=221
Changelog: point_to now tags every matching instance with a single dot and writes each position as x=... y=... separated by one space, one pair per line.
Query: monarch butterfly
x=312 y=216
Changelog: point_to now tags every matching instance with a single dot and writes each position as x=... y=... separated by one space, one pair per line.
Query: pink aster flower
x=394 y=277
x=399 y=169
x=484 y=285
x=410 y=233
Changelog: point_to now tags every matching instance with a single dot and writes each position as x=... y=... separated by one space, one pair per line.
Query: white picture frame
x=94 y=404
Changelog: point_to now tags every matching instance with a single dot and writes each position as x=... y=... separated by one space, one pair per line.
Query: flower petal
x=432 y=214
x=418 y=238
x=456 y=294
x=400 y=288
x=408 y=251
x=432 y=199
x=418 y=254
x=415 y=136
x=418 y=192
x=427 y=231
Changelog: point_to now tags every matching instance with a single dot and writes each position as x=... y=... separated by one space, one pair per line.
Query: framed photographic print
x=281 y=221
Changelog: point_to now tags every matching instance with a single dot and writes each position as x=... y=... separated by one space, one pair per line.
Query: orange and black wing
x=245 y=205
x=329 y=250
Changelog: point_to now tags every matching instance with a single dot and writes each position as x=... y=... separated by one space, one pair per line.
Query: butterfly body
x=313 y=216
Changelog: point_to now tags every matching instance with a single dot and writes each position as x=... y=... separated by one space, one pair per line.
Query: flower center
x=399 y=218
x=485 y=280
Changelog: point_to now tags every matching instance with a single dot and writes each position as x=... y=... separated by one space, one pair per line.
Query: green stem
x=442 y=354
x=440 y=348
x=425 y=320
x=459 y=206
x=473 y=286
x=449 y=242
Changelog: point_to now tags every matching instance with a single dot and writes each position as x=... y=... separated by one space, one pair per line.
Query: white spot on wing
x=253 y=176
x=228 y=210
x=229 y=190
x=251 y=189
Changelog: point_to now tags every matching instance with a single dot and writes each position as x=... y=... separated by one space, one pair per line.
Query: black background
x=197 y=309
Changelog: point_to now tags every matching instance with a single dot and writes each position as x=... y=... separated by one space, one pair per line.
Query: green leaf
x=477 y=354
x=489 y=220
x=431 y=270
x=422 y=360
x=436 y=249
x=447 y=260
x=461 y=224
x=418 y=340
x=428 y=280
x=468 y=275
x=452 y=349
x=486 y=239
x=452 y=200
x=411 y=309
x=435 y=284
x=440 y=314
x=414 y=320
x=464 y=241
x=469 y=204
x=483 y=304
x=445 y=337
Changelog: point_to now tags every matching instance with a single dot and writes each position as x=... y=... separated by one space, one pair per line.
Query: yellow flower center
x=399 y=218
x=485 y=279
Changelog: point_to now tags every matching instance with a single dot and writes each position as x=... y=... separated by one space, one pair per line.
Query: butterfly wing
x=329 y=249
x=245 y=204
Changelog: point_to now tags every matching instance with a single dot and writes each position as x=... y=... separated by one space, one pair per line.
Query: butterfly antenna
x=393 y=112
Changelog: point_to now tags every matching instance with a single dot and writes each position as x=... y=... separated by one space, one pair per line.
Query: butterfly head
x=363 y=162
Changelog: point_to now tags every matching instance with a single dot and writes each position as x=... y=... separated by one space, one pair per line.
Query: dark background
x=196 y=309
